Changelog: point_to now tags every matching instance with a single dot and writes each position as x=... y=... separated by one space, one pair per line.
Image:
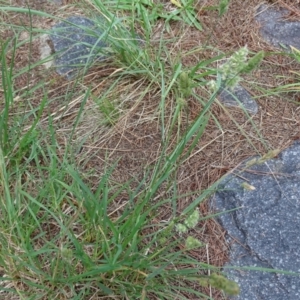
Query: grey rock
x=265 y=227
x=77 y=42
x=239 y=97
x=277 y=31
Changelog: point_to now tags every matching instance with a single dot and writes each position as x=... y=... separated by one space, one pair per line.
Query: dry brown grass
x=135 y=140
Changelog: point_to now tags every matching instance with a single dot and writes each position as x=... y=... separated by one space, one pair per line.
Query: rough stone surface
x=277 y=31
x=239 y=97
x=77 y=42
x=265 y=229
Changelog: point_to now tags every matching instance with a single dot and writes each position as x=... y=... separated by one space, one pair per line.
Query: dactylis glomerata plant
x=215 y=280
x=236 y=65
x=189 y=223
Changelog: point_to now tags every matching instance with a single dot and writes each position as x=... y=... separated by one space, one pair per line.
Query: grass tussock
x=103 y=178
